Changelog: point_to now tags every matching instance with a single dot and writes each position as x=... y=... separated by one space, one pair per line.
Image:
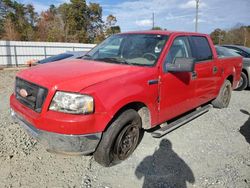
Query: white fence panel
x=14 y=53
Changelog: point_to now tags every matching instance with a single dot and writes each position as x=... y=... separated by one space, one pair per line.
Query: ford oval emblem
x=23 y=93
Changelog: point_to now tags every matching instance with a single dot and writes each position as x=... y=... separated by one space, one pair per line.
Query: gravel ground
x=211 y=151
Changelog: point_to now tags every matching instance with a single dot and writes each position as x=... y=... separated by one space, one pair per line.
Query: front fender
x=112 y=95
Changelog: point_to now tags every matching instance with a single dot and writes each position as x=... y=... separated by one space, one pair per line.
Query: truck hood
x=74 y=75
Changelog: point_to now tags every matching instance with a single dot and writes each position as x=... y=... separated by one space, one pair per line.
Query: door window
x=200 y=48
x=180 y=49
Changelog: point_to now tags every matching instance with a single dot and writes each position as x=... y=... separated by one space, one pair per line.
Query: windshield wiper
x=114 y=60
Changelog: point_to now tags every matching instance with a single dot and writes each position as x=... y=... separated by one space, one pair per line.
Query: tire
x=243 y=82
x=223 y=99
x=120 y=139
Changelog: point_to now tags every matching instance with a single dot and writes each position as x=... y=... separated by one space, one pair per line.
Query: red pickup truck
x=129 y=83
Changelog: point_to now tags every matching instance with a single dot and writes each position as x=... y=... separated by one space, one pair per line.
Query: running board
x=166 y=128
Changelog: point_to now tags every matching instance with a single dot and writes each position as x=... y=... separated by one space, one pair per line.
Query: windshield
x=225 y=52
x=135 y=49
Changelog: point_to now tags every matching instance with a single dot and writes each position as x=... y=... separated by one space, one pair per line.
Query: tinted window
x=200 y=48
x=180 y=48
x=55 y=58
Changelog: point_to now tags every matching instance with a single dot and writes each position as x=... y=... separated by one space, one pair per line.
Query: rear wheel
x=120 y=139
x=243 y=82
x=223 y=99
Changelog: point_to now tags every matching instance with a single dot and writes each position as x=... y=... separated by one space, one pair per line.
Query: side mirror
x=181 y=65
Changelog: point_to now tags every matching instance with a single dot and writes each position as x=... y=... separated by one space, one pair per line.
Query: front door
x=176 y=89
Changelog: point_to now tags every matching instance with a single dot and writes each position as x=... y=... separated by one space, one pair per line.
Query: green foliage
x=20 y=18
x=156 y=28
x=110 y=27
x=113 y=30
x=217 y=35
x=111 y=20
x=95 y=27
x=1 y=28
x=75 y=21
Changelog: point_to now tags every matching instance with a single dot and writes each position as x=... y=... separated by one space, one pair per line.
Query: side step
x=166 y=128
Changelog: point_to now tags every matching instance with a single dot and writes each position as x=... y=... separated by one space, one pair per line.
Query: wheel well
x=142 y=110
x=231 y=79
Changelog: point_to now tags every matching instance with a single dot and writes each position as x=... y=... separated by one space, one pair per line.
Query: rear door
x=205 y=70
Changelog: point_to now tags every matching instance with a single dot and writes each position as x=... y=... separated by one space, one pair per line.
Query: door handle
x=194 y=75
x=215 y=70
x=151 y=82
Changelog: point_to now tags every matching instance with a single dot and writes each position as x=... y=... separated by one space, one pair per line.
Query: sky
x=169 y=14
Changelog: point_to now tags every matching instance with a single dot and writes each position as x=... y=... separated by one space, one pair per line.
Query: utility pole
x=196 y=19
x=153 y=20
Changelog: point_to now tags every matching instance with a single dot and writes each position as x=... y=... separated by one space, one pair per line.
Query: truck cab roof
x=164 y=32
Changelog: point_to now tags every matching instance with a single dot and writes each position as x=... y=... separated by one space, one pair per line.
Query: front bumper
x=60 y=143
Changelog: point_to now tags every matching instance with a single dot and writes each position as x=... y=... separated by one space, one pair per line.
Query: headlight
x=72 y=103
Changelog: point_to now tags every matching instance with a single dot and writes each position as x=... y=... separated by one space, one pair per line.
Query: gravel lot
x=211 y=151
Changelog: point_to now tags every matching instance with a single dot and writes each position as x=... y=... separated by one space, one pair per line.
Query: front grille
x=36 y=94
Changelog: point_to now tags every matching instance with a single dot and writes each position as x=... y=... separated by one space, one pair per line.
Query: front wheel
x=223 y=99
x=120 y=139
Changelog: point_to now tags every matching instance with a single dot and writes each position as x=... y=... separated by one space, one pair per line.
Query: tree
x=156 y=28
x=77 y=20
x=6 y=17
x=95 y=26
x=22 y=19
x=63 y=11
x=74 y=21
x=110 y=25
x=50 y=28
x=10 y=31
x=218 y=36
x=239 y=36
x=52 y=9
x=32 y=16
x=111 y=20
x=3 y=13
